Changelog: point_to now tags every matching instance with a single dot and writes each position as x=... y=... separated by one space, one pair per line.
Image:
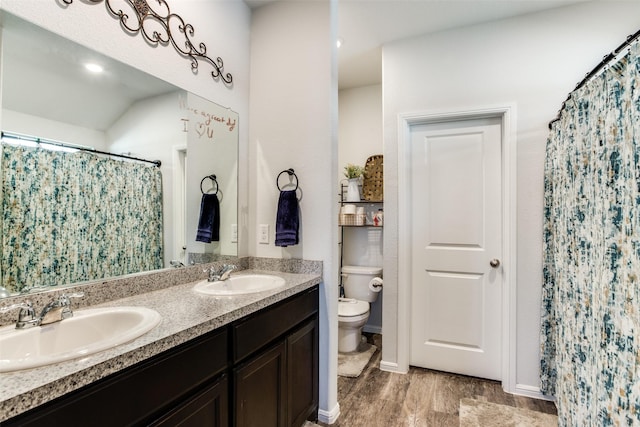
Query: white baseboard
x=391 y=367
x=329 y=417
x=531 y=391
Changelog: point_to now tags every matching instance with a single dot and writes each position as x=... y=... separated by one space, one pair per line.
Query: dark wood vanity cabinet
x=142 y=393
x=279 y=386
x=275 y=354
x=261 y=370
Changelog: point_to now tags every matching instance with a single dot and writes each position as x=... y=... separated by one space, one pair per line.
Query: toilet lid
x=352 y=307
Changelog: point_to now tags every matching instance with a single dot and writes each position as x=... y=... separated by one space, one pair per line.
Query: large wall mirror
x=49 y=95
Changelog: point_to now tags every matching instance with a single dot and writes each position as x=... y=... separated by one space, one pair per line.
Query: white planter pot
x=353 y=192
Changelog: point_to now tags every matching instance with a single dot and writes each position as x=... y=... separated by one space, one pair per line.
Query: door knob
x=495 y=263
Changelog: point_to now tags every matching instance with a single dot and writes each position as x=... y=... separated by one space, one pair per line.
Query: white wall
x=294 y=125
x=360 y=136
x=26 y=124
x=224 y=26
x=533 y=61
x=360 y=125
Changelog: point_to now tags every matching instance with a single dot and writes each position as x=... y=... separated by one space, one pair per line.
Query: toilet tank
x=356 y=282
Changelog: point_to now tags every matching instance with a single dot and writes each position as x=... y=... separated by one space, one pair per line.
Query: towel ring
x=290 y=172
x=212 y=178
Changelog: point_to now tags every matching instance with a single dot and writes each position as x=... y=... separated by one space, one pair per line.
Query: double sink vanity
x=169 y=348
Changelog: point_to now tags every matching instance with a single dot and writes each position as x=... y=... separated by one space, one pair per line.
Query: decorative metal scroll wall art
x=148 y=21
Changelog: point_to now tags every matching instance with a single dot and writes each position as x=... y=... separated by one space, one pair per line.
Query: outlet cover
x=263 y=233
x=234 y=233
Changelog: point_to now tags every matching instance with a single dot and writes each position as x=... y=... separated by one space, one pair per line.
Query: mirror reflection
x=74 y=215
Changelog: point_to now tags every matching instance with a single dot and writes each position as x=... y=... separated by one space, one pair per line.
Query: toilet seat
x=349 y=307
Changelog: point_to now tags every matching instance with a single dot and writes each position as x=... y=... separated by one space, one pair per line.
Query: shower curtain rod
x=38 y=140
x=605 y=61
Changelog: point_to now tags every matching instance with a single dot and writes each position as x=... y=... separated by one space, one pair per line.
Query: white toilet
x=361 y=287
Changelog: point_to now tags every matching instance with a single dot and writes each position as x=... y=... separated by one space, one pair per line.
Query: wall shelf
x=344 y=222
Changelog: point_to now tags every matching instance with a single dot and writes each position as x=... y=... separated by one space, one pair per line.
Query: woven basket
x=352 y=219
x=373 y=179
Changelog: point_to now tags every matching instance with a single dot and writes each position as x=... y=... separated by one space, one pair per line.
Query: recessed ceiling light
x=94 y=68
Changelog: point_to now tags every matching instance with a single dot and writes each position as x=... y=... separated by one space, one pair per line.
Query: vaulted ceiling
x=365 y=25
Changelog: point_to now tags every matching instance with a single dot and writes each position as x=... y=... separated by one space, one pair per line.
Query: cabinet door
x=302 y=378
x=260 y=386
x=209 y=408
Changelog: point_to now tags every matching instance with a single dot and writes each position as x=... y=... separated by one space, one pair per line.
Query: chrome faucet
x=226 y=271
x=176 y=264
x=58 y=309
x=222 y=274
x=55 y=311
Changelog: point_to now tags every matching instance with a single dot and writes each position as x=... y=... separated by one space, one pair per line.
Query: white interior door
x=456 y=232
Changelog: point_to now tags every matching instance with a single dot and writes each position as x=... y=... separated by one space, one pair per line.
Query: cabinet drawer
x=135 y=394
x=261 y=328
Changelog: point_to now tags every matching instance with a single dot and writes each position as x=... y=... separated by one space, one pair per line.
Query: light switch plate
x=234 y=233
x=263 y=233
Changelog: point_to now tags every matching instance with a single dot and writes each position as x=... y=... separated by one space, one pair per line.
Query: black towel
x=209 y=222
x=287 y=219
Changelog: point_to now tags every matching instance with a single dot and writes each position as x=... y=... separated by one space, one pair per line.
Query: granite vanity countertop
x=185 y=315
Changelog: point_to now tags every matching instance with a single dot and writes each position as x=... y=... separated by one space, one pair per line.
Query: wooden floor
x=421 y=398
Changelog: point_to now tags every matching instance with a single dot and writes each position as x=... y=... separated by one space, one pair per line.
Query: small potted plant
x=353 y=174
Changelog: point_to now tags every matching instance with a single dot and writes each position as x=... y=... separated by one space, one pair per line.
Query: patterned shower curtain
x=590 y=335
x=71 y=217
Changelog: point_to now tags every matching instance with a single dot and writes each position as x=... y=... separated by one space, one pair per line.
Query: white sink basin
x=240 y=284
x=87 y=332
